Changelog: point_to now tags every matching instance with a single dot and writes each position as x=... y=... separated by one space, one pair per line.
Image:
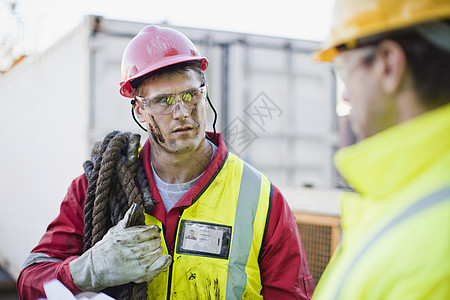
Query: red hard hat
x=153 y=48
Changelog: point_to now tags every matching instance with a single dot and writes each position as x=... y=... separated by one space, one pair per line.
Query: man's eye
x=187 y=97
x=165 y=100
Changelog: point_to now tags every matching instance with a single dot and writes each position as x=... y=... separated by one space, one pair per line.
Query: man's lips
x=182 y=129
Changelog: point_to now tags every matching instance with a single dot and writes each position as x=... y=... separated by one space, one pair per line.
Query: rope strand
x=97 y=156
x=116 y=180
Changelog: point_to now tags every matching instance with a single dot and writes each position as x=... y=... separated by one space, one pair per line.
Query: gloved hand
x=123 y=255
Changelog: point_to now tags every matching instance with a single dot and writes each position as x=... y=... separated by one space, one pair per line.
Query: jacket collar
x=393 y=158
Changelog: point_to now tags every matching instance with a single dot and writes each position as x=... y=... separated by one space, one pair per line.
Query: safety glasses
x=345 y=62
x=164 y=104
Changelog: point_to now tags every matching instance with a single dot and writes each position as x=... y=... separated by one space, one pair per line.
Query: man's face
x=372 y=110
x=180 y=130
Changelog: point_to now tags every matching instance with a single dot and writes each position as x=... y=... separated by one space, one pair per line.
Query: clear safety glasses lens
x=165 y=104
x=346 y=61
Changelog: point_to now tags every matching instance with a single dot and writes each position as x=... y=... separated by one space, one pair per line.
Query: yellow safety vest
x=219 y=238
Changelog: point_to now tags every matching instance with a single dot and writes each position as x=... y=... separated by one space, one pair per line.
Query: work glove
x=124 y=255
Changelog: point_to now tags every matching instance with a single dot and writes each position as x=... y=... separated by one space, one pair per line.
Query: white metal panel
x=315 y=201
x=109 y=110
x=285 y=103
x=43 y=128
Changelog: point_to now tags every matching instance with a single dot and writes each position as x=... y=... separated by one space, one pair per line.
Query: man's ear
x=394 y=65
x=139 y=111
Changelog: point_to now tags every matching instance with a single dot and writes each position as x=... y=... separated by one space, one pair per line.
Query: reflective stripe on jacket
x=229 y=220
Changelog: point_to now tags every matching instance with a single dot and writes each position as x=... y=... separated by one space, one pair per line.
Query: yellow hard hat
x=355 y=19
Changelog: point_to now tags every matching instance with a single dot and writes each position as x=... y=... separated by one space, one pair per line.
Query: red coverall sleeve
x=284 y=269
x=63 y=240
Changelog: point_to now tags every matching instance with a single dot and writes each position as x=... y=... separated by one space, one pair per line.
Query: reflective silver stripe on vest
x=435 y=198
x=35 y=258
x=243 y=232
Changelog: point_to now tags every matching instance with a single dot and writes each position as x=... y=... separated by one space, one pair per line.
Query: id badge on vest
x=204 y=239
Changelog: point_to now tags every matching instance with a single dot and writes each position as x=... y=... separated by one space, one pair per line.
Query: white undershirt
x=171 y=193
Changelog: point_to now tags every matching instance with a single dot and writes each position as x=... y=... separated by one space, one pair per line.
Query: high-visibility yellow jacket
x=219 y=259
x=396 y=230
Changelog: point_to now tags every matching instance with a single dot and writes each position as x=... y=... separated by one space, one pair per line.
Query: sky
x=44 y=21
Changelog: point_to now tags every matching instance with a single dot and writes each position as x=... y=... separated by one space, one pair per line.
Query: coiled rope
x=116 y=180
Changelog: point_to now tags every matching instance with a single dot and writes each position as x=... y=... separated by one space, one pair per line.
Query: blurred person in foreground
x=394 y=58
x=183 y=180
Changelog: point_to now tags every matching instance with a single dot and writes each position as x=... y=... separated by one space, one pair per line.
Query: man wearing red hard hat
x=185 y=183
x=394 y=58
